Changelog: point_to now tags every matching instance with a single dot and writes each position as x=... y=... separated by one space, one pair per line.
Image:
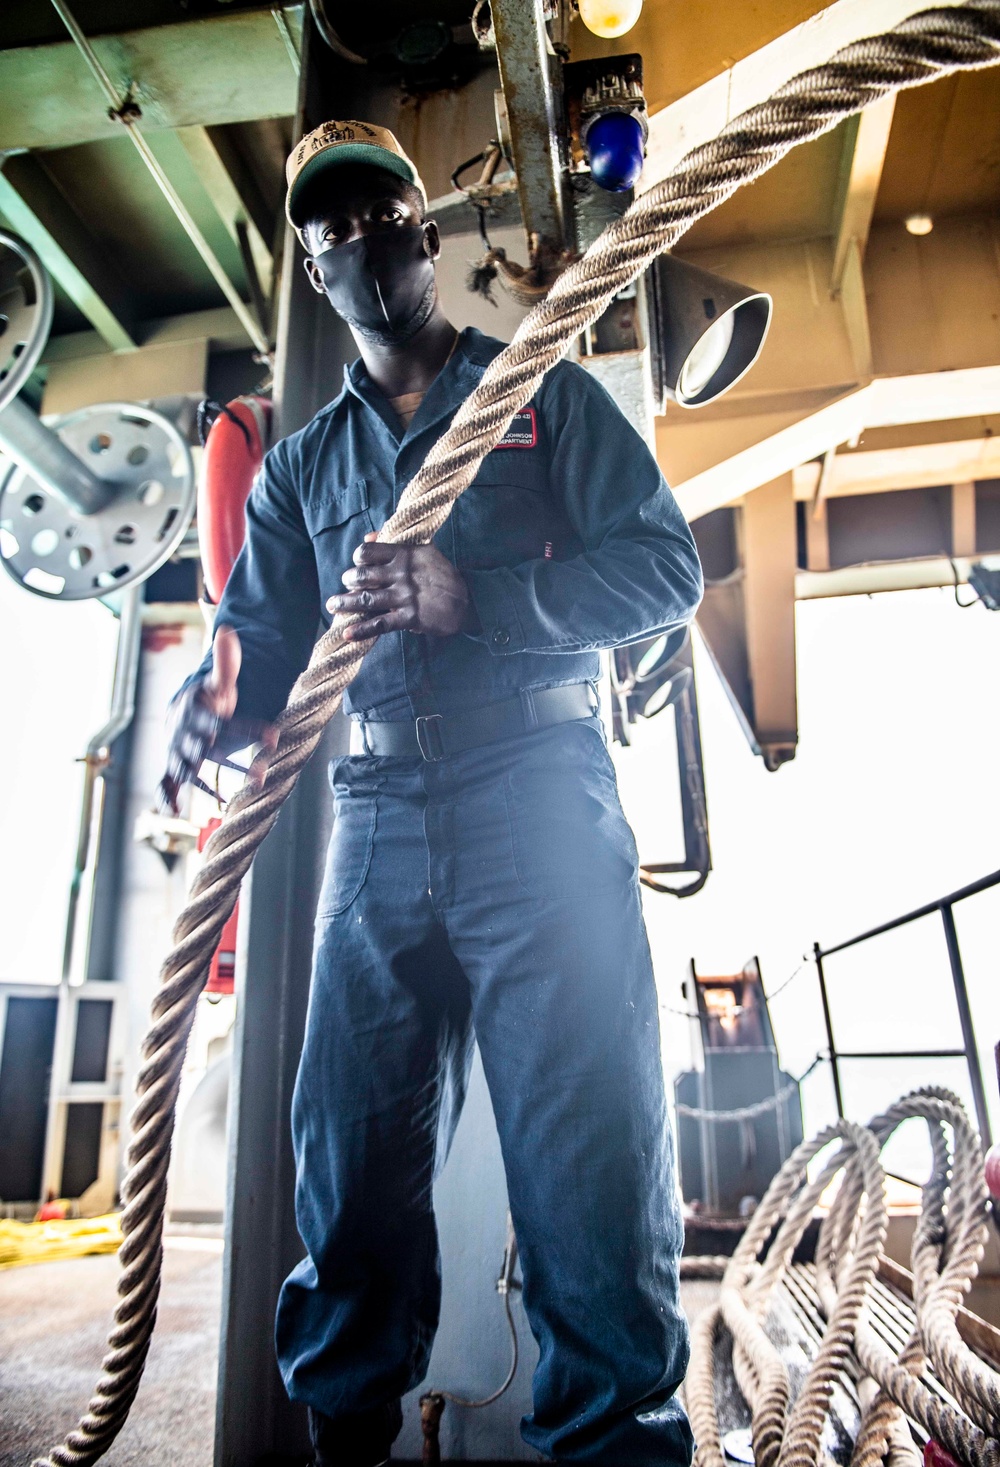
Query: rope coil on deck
x=947 y=1249
x=921 y=49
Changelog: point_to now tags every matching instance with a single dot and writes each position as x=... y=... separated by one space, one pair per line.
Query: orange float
x=234 y=451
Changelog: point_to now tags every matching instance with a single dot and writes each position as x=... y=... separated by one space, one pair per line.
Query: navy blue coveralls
x=496 y=891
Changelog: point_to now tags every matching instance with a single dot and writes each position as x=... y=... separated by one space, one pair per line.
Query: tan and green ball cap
x=337 y=143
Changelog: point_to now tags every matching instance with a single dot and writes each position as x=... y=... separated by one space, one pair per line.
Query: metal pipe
x=128 y=114
x=968 y=1029
x=828 y=1021
x=973 y=889
x=322 y=23
x=281 y=21
x=910 y=1054
x=98 y=752
x=42 y=454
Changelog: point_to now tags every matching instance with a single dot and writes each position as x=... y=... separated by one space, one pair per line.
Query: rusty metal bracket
x=531 y=78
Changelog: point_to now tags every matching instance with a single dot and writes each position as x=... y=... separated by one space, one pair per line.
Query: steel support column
x=970 y=1047
x=530 y=78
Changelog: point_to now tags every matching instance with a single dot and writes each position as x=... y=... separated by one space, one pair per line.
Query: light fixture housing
x=707 y=331
x=616 y=148
x=609 y=18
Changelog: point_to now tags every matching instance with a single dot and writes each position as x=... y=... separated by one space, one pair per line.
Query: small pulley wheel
x=738 y=1445
x=58 y=552
x=25 y=313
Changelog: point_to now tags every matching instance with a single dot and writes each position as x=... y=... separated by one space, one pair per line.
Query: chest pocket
x=337 y=523
x=508 y=514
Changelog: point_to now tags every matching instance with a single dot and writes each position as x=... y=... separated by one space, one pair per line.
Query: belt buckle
x=429 y=740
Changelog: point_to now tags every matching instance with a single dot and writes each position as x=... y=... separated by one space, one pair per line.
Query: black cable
x=463 y=167
x=209 y=410
x=506 y=1284
x=479 y=205
x=488 y=1400
x=958 y=602
x=790 y=979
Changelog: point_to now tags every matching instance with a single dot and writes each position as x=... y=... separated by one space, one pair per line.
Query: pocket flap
x=335 y=507
x=523 y=466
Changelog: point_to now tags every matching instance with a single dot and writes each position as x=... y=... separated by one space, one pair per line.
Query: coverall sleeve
x=272 y=596
x=638 y=574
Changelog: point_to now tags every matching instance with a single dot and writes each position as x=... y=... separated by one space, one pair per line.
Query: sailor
x=481 y=878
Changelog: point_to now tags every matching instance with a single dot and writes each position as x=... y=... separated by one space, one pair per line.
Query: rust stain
x=158 y=638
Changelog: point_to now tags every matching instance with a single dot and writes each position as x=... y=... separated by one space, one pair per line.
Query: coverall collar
x=450 y=387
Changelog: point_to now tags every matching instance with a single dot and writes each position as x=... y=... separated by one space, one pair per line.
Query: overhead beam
x=854 y=305
x=866 y=141
x=817 y=584
x=769 y=558
x=35 y=209
x=230 y=68
x=748 y=622
x=154 y=371
x=887 y=402
x=917 y=466
x=219 y=327
x=120 y=102
x=933 y=305
x=243 y=180
x=704 y=112
x=222 y=195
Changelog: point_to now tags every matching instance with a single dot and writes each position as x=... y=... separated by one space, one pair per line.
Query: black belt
x=437 y=735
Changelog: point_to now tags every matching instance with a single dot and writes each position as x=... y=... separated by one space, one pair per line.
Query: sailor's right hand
x=197 y=718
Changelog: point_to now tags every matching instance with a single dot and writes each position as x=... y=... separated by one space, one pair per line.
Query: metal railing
x=969 y=1052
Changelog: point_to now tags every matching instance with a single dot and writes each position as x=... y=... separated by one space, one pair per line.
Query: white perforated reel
x=52 y=548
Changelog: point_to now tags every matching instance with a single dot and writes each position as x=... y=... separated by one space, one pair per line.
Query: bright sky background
x=893 y=800
x=56 y=662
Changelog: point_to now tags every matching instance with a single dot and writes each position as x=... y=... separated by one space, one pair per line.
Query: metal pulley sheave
x=97 y=499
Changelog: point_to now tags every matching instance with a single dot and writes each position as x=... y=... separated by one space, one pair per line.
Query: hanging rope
x=947 y=1248
x=925 y=47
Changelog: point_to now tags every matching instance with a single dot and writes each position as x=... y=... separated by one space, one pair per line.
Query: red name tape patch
x=523 y=431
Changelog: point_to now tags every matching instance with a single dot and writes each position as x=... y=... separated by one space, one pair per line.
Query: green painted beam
x=210 y=214
x=211 y=167
x=219 y=327
x=33 y=207
x=230 y=68
x=246 y=168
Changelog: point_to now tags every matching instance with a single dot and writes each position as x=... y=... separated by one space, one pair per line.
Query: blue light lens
x=614 y=147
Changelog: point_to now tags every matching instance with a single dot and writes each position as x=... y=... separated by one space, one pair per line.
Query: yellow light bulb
x=609 y=18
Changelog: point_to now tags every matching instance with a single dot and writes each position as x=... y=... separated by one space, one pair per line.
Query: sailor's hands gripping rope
x=389 y=588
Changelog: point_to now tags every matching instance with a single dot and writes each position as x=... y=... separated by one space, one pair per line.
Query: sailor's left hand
x=411 y=588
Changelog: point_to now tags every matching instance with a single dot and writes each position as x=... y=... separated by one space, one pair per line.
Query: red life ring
x=222 y=969
x=234 y=451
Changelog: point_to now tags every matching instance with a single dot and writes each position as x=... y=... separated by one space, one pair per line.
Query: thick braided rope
x=947 y=1248
x=929 y=45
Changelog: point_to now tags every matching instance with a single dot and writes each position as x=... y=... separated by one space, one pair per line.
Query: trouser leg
x=549 y=930
x=380 y=1085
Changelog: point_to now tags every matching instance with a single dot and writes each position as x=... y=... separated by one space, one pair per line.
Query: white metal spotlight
x=707 y=331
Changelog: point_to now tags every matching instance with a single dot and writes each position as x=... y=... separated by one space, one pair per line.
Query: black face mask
x=381 y=284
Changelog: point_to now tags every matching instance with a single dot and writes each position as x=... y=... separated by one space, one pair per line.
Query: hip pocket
x=355 y=811
x=569 y=835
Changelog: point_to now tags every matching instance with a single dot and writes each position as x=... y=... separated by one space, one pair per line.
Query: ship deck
x=54 y=1317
